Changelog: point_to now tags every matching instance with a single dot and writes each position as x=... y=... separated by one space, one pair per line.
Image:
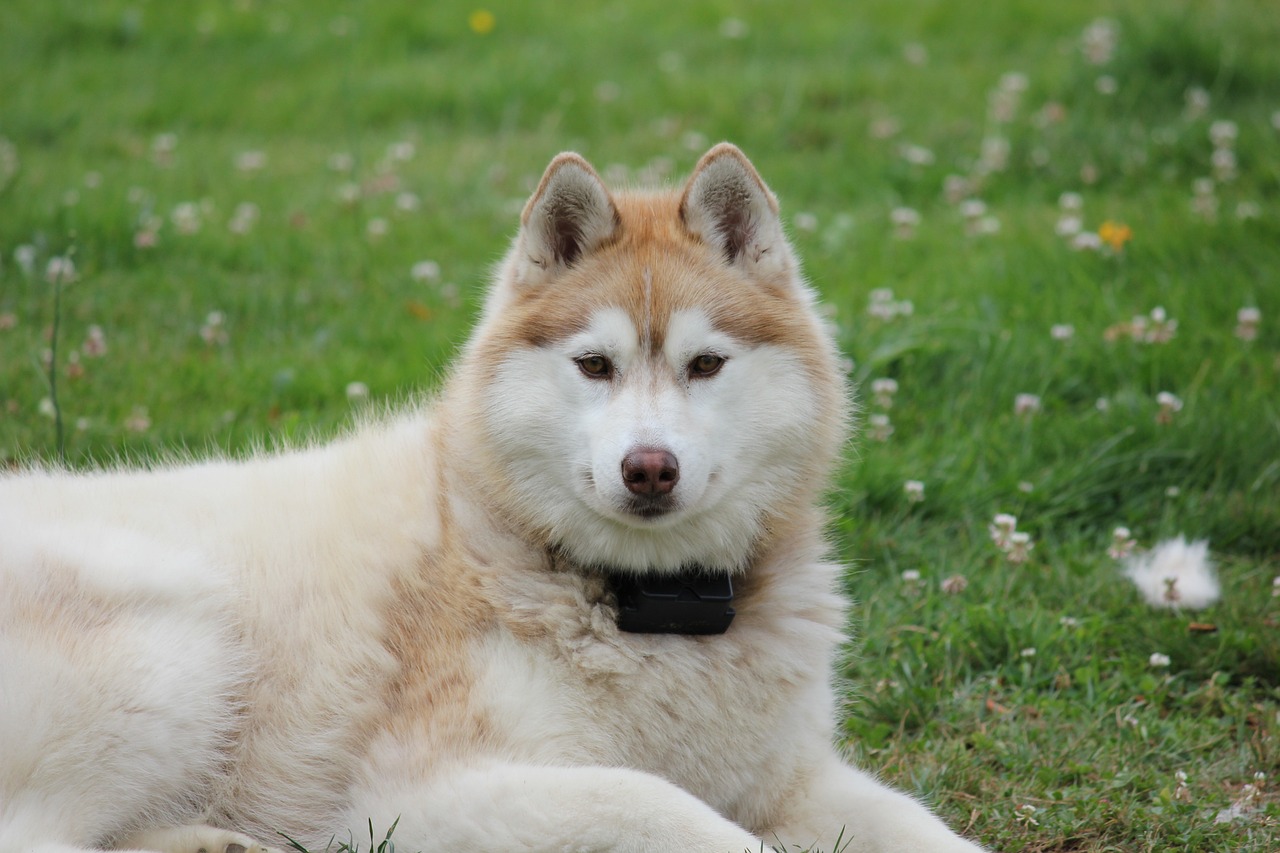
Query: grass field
x=280 y=211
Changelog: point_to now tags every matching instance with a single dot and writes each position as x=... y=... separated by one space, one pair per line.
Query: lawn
x=1054 y=227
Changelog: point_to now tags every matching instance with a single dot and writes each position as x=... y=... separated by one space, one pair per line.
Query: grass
x=130 y=123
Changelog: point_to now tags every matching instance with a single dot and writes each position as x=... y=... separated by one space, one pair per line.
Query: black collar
x=692 y=601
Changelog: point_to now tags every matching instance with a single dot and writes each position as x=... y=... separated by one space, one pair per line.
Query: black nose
x=650 y=471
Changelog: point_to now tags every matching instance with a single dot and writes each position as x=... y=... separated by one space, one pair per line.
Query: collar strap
x=692 y=601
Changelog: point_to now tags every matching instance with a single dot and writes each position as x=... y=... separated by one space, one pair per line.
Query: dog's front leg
x=836 y=807
x=514 y=807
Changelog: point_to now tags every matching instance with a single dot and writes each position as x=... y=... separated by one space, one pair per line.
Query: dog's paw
x=193 y=839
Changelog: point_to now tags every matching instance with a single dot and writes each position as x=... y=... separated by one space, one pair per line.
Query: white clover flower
x=734 y=28
x=1062 y=332
x=1106 y=85
x=1026 y=404
x=401 y=151
x=1086 y=241
x=186 y=217
x=425 y=271
x=1223 y=161
x=349 y=193
x=955 y=188
x=911 y=576
x=915 y=53
x=1001 y=529
x=955 y=584
x=882 y=306
x=138 y=420
x=1122 y=543
x=377 y=227
x=25 y=257
x=884 y=389
x=407 y=202
x=213 y=332
x=1098 y=41
x=1071 y=201
x=914 y=490
x=995 y=154
x=916 y=155
x=1247 y=320
x=1197 y=101
x=341 y=162
x=244 y=218
x=1169 y=404
x=1223 y=133
x=805 y=221
x=878 y=427
x=95 y=342
x=1160 y=661
x=251 y=161
x=357 y=392
x=60 y=269
x=1069 y=226
x=1157 y=328
x=1027 y=652
x=1020 y=547
x=973 y=208
x=905 y=220
x=1175 y=574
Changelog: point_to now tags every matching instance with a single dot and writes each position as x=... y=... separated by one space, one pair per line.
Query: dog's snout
x=650 y=471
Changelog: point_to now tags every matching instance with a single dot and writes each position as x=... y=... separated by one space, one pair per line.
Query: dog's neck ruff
x=691 y=601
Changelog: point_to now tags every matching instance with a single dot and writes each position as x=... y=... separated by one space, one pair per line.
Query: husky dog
x=579 y=602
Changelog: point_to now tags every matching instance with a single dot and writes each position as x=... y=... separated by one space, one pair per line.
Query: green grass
x=824 y=98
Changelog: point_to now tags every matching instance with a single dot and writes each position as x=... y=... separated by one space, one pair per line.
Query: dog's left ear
x=727 y=205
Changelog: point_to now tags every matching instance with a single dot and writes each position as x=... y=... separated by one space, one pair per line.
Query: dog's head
x=651 y=381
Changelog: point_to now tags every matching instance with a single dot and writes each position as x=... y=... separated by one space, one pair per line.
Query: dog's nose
x=650 y=471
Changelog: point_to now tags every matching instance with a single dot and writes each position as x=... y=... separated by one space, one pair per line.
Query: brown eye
x=595 y=366
x=707 y=364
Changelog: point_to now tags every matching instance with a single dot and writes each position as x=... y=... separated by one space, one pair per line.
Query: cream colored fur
x=408 y=624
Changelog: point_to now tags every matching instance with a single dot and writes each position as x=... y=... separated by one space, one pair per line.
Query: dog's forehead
x=622 y=332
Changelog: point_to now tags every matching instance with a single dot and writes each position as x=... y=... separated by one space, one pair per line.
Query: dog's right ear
x=570 y=215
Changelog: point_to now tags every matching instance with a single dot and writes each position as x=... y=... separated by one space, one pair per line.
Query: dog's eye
x=707 y=364
x=595 y=366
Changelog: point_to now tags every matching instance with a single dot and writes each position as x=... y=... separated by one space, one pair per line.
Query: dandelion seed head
x=1176 y=565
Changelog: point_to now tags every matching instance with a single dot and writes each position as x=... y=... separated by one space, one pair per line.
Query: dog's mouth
x=650 y=508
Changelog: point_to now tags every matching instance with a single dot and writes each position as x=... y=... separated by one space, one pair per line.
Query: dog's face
x=657 y=385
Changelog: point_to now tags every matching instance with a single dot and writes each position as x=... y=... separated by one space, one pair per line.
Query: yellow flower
x=482 y=21
x=1115 y=234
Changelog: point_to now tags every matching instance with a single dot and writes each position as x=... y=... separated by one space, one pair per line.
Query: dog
x=578 y=601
